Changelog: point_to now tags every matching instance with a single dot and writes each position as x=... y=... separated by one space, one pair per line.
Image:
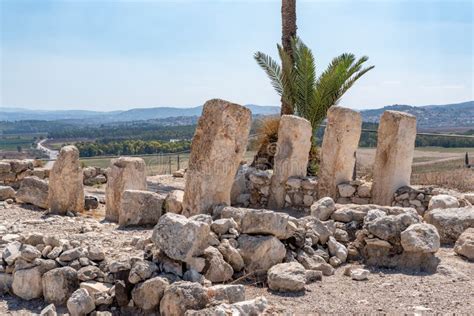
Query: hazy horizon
x=106 y=56
x=193 y=106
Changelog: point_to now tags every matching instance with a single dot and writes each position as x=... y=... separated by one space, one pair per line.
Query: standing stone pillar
x=66 y=191
x=218 y=147
x=340 y=142
x=291 y=159
x=394 y=156
x=125 y=173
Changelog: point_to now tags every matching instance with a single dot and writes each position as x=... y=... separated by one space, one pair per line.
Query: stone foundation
x=13 y=171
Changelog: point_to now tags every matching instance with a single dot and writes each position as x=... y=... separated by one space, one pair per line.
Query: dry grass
x=458 y=179
x=267 y=132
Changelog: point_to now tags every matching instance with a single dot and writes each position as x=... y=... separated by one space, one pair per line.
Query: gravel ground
x=395 y=292
x=450 y=290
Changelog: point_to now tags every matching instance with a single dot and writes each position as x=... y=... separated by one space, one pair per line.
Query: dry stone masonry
x=291 y=159
x=394 y=156
x=341 y=139
x=13 y=171
x=218 y=147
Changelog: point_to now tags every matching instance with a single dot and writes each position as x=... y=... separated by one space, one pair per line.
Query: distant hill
x=459 y=116
x=449 y=117
x=137 y=114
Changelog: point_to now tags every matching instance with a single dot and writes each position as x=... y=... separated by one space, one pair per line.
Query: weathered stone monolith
x=125 y=173
x=66 y=191
x=340 y=142
x=291 y=159
x=394 y=156
x=217 y=149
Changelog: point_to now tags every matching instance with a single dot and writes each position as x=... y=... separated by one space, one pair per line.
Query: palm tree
x=308 y=95
x=288 y=31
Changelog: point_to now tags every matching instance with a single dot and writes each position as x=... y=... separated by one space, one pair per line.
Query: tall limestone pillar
x=394 y=156
x=125 y=173
x=218 y=147
x=340 y=142
x=66 y=191
x=291 y=159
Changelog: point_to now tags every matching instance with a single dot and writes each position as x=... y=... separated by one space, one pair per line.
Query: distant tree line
x=130 y=147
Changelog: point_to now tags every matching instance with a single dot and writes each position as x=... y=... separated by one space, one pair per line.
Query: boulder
x=341 y=138
x=389 y=227
x=66 y=189
x=182 y=296
x=11 y=252
x=265 y=222
x=89 y=273
x=59 y=284
x=291 y=159
x=360 y=274
x=394 y=156
x=5 y=167
x=27 y=283
x=260 y=252
x=420 y=237
x=451 y=223
x=323 y=208
x=174 y=202
x=337 y=249
x=180 y=238
x=49 y=310
x=141 y=270
x=443 y=201
x=217 y=149
x=257 y=306
x=147 y=295
x=320 y=229
x=80 y=303
x=126 y=173
x=91 y=202
x=95 y=253
x=216 y=270
x=289 y=277
x=231 y=255
x=222 y=226
x=140 y=208
x=29 y=253
x=6 y=282
x=227 y=293
x=6 y=193
x=34 y=191
x=364 y=190
x=346 y=190
x=465 y=244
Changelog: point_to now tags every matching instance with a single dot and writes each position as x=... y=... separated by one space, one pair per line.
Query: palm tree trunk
x=288 y=31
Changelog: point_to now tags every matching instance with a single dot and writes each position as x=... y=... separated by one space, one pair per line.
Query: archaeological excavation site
x=225 y=236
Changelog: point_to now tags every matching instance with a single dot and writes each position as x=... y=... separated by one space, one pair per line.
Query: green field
x=11 y=142
x=156 y=164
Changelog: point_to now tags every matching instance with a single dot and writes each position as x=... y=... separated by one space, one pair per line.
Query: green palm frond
x=305 y=78
x=296 y=81
x=272 y=69
x=287 y=75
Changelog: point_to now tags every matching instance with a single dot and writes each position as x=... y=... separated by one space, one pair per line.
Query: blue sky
x=108 y=55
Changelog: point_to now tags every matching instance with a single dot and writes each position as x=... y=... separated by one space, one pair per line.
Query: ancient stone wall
x=13 y=171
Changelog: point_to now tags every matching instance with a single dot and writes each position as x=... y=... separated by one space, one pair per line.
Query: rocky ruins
x=196 y=248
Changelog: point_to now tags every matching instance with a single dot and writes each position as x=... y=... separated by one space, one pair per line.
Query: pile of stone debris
x=195 y=264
